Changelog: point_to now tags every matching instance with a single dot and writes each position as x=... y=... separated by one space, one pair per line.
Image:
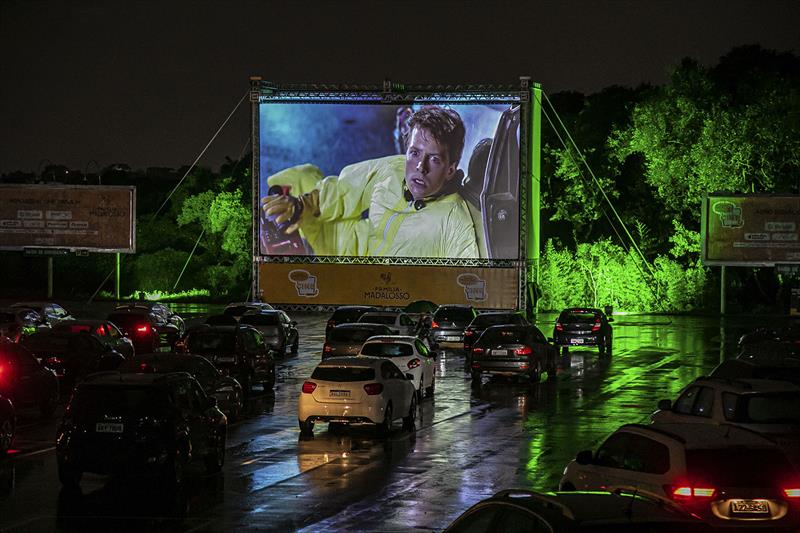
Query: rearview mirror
x=584 y=457
x=665 y=405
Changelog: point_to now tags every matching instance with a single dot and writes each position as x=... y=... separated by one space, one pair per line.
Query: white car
x=357 y=390
x=410 y=354
x=726 y=475
x=399 y=322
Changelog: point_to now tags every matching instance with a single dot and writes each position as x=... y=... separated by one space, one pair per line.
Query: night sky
x=148 y=83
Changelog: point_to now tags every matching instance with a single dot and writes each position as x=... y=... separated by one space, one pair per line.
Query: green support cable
x=534 y=194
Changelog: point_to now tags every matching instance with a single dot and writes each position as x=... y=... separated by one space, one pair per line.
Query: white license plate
x=225 y=359
x=576 y=341
x=450 y=338
x=499 y=352
x=339 y=394
x=108 y=427
x=750 y=506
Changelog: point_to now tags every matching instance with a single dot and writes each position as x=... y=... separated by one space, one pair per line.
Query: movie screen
x=368 y=180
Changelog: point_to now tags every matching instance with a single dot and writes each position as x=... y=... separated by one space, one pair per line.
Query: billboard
x=750 y=230
x=387 y=285
x=365 y=177
x=70 y=217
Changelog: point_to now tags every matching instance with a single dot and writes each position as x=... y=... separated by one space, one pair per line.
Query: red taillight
x=414 y=363
x=53 y=361
x=559 y=327
x=434 y=324
x=327 y=348
x=525 y=350
x=145 y=328
x=476 y=366
x=373 y=388
x=469 y=333
x=100 y=331
x=688 y=493
x=596 y=326
x=793 y=493
x=308 y=387
x=477 y=350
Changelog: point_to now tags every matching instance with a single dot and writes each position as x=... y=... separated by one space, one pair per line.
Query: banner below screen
x=387 y=285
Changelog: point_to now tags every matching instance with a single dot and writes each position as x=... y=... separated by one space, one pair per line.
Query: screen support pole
x=117 y=275
x=722 y=290
x=534 y=193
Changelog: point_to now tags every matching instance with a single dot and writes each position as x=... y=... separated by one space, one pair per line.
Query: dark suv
x=347 y=314
x=449 y=323
x=148 y=330
x=238 y=351
x=583 y=326
x=139 y=424
x=25 y=381
x=485 y=320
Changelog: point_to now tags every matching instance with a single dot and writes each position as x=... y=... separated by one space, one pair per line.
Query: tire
x=476 y=378
x=408 y=421
x=69 y=476
x=420 y=391
x=172 y=475
x=7 y=428
x=565 y=350
x=432 y=389
x=48 y=405
x=386 y=426
x=216 y=458
x=608 y=349
x=536 y=375
x=247 y=385
x=296 y=344
x=306 y=428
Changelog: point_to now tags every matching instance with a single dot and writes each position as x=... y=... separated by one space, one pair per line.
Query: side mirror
x=584 y=457
x=665 y=405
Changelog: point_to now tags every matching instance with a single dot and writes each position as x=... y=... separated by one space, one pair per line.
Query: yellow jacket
x=443 y=228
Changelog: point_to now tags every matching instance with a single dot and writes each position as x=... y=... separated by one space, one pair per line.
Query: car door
x=607 y=465
x=695 y=404
x=428 y=368
x=191 y=412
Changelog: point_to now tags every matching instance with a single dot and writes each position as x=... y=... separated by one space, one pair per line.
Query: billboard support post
x=534 y=148
x=117 y=276
x=722 y=287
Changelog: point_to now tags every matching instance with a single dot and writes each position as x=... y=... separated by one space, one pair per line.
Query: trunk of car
x=339 y=392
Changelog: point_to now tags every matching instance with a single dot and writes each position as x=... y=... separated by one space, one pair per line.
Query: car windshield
x=504 y=336
x=377 y=319
x=338 y=373
x=211 y=341
x=91 y=403
x=484 y=321
x=387 y=349
x=260 y=320
x=453 y=314
x=773 y=408
x=578 y=317
x=738 y=467
x=352 y=334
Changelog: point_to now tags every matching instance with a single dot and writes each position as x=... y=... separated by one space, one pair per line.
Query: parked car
x=771 y=343
x=448 y=325
x=157 y=308
x=347 y=339
x=105 y=330
x=400 y=323
x=347 y=314
x=357 y=390
x=16 y=322
x=485 y=320
x=410 y=355
x=279 y=331
x=734 y=369
x=583 y=326
x=139 y=424
x=8 y=424
x=147 y=330
x=237 y=351
x=237 y=309
x=24 y=380
x=726 y=475
x=72 y=355
x=227 y=391
x=614 y=511
x=518 y=351
x=769 y=407
x=51 y=312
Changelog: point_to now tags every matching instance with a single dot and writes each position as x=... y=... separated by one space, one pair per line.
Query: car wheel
x=476 y=378
x=6 y=435
x=296 y=344
x=306 y=428
x=386 y=427
x=172 y=476
x=408 y=421
x=420 y=391
x=48 y=405
x=608 y=349
x=536 y=374
x=216 y=458
x=565 y=350
x=430 y=390
x=247 y=385
x=567 y=487
x=69 y=476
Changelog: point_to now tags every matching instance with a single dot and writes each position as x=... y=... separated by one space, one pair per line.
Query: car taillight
x=327 y=348
x=688 y=493
x=414 y=363
x=596 y=326
x=308 y=387
x=469 y=333
x=331 y=323
x=559 y=327
x=434 y=324
x=525 y=350
x=477 y=350
x=476 y=366
x=53 y=361
x=373 y=388
x=144 y=328
x=792 y=493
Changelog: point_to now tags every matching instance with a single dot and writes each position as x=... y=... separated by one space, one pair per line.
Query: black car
x=16 y=322
x=237 y=309
x=279 y=331
x=8 y=424
x=72 y=355
x=620 y=511
x=583 y=326
x=164 y=312
x=225 y=389
x=238 y=351
x=508 y=350
x=485 y=320
x=148 y=330
x=347 y=314
x=50 y=312
x=448 y=325
x=105 y=330
x=743 y=369
x=25 y=381
x=139 y=424
x=347 y=339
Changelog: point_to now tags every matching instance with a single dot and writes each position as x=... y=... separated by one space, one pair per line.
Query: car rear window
x=127 y=320
x=341 y=316
x=260 y=320
x=204 y=342
x=484 y=321
x=377 y=319
x=454 y=314
x=505 y=336
x=91 y=403
x=772 y=408
x=354 y=334
x=336 y=373
x=738 y=467
x=578 y=317
x=387 y=349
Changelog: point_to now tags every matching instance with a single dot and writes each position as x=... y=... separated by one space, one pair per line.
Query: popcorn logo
x=730 y=215
x=474 y=287
x=305 y=283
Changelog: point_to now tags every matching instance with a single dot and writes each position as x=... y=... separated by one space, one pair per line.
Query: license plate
x=750 y=506
x=339 y=394
x=108 y=427
x=224 y=359
x=499 y=352
x=576 y=341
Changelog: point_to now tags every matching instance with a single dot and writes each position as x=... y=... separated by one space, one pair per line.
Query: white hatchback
x=399 y=322
x=357 y=390
x=410 y=354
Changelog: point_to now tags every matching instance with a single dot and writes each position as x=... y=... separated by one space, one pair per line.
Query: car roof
x=396 y=339
x=748 y=385
x=359 y=325
x=355 y=308
x=354 y=361
x=702 y=436
x=383 y=313
x=454 y=306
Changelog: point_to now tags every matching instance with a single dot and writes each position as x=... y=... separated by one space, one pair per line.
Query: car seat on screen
x=471 y=187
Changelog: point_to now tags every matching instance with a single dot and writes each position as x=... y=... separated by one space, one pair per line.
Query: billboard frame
x=393 y=93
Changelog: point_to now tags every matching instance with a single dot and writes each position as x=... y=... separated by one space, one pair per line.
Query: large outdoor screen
x=358 y=179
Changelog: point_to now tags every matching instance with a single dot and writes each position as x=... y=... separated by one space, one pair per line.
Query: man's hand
x=286 y=208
